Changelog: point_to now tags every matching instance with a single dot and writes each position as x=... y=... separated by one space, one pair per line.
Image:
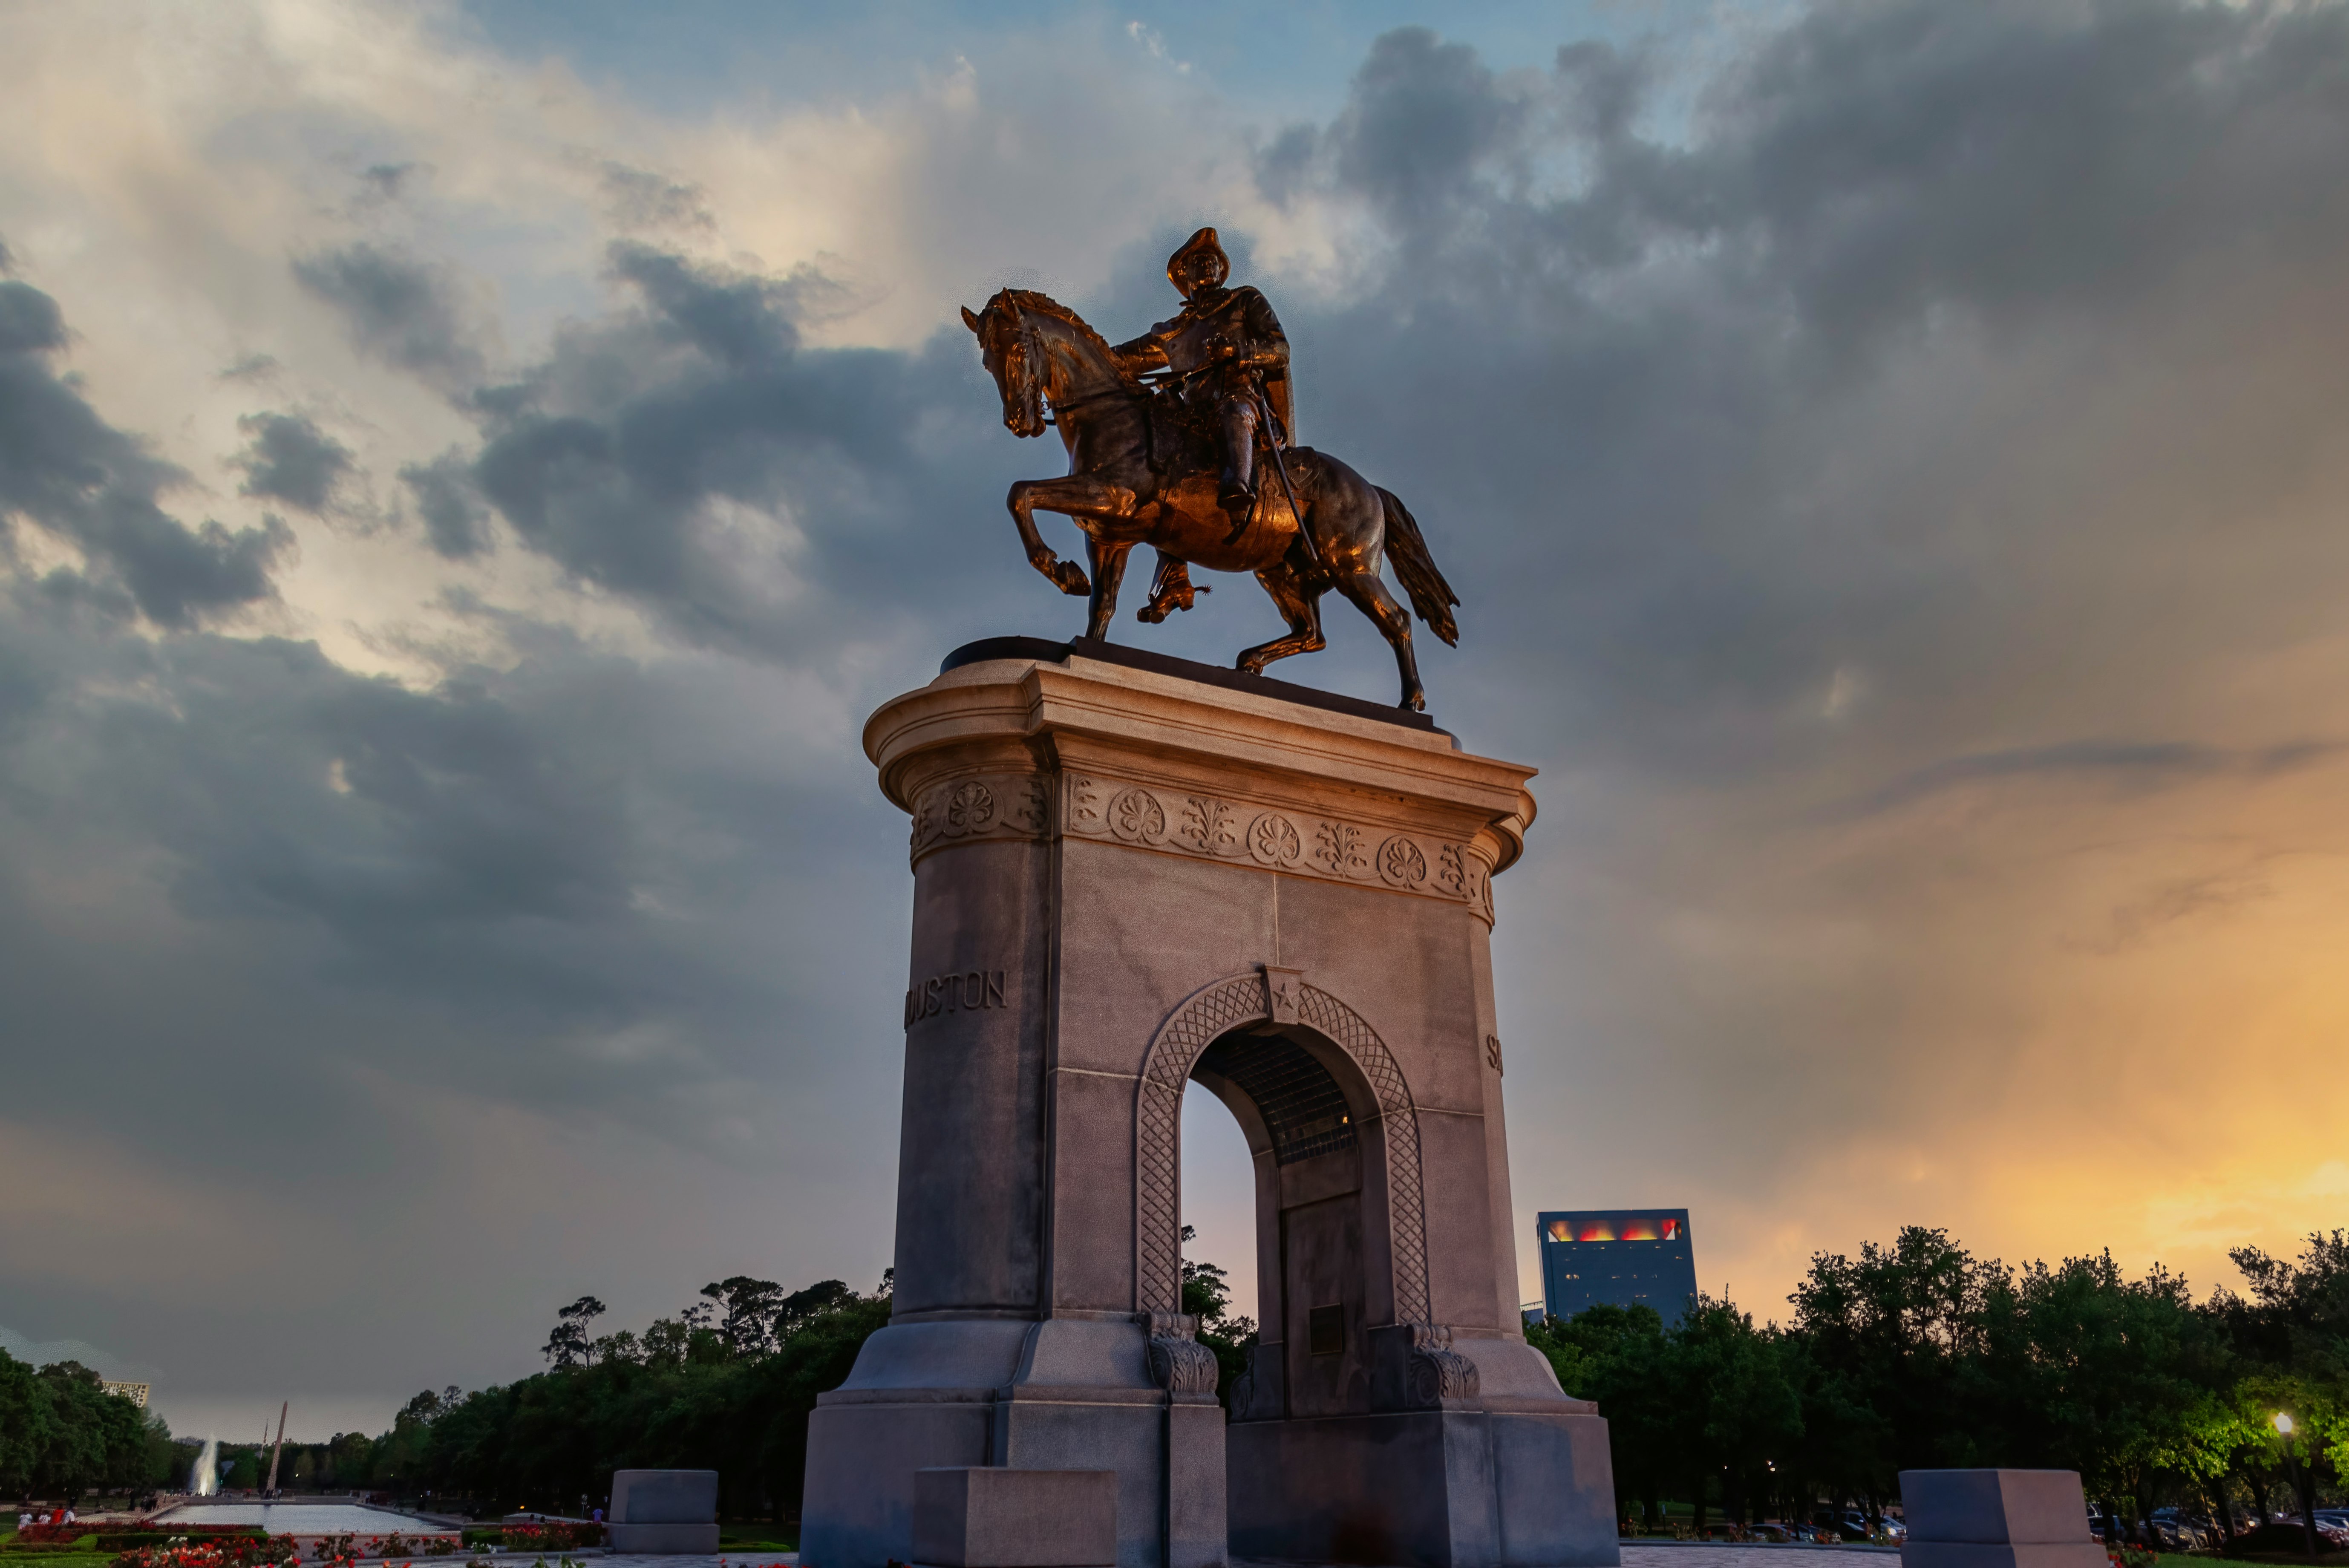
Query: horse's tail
x=1431 y=595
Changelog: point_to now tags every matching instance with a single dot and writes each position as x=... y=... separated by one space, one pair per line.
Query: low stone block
x=987 y=1518
x=1995 y=1507
x=663 y=1512
x=664 y=1539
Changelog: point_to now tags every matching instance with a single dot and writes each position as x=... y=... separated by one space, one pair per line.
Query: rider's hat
x=1205 y=243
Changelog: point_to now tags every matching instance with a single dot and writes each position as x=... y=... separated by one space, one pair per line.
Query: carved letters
x=966 y=992
x=1493 y=1051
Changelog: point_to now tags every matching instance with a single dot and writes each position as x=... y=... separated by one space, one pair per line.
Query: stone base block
x=2083 y=1553
x=1995 y=1507
x=663 y=1511
x=1427 y=1488
x=664 y=1539
x=861 y=1459
x=973 y=1517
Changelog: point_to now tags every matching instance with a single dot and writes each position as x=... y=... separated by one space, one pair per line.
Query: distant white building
x=134 y=1392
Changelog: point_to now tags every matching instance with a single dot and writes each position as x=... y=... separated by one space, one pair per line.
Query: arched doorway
x=1334 y=1139
x=1313 y=1309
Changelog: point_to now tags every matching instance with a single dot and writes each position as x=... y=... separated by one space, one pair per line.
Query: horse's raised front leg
x=1302 y=609
x=1109 y=571
x=1078 y=497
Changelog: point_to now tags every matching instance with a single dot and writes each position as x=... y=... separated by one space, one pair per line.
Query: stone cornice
x=967 y=755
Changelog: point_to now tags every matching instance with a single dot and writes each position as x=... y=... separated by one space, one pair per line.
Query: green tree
x=1616 y=1356
x=1734 y=1409
x=1207 y=1296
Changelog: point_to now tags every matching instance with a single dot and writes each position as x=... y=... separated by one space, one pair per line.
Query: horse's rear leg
x=1369 y=595
x=1109 y=571
x=1303 y=611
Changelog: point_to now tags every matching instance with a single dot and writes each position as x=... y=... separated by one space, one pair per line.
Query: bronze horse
x=1142 y=470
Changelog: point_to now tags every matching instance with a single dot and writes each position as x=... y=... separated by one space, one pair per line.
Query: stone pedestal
x=664 y=1512
x=1130 y=872
x=1997 y=1519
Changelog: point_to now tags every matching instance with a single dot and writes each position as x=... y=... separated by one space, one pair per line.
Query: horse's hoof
x=1150 y=614
x=1416 y=702
x=1072 y=578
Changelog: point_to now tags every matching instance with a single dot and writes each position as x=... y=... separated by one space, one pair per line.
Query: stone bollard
x=1997 y=1519
x=664 y=1511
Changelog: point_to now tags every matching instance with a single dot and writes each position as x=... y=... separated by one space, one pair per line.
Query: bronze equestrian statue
x=1175 y=464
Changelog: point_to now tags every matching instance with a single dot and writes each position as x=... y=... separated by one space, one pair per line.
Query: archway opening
x=1218 y=1230
x=1303 y=1136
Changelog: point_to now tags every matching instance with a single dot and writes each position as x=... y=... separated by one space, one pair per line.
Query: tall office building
x=1618 y=1257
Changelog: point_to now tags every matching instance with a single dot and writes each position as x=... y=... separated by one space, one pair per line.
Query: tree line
x=1921 y=1355
x=62 y=1435
x=1912 y=1354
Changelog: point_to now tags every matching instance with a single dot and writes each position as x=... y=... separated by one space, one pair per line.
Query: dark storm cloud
x=455 y=522
x=1697 y=411
x=66 y=471
x=290 y=459
x=504 y=851
x=688 y=451
x=1836 y=383
x=403 y=310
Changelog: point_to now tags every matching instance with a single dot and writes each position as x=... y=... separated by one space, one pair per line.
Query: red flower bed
x=81 y=1527
x=553 y=1537
x=236 y=1551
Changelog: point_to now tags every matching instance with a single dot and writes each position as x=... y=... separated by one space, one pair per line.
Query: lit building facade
x=1616 y=1257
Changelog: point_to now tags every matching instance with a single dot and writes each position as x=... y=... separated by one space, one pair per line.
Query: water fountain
x=204 y=1480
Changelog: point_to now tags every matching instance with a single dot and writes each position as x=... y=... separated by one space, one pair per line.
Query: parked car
x=1769 y=1529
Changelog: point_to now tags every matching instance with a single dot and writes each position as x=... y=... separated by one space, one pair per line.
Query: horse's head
x=1009 y=346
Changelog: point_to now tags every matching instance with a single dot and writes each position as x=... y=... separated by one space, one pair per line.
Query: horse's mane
x=1045 y=305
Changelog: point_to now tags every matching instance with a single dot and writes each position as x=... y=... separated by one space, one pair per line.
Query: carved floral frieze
x=1210 y=827
x=1015 y=806
x=988 y=805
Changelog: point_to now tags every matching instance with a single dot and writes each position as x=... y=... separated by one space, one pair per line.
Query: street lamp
x=2302 y=1483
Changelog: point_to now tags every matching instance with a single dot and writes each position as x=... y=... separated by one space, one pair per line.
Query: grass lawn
x=754 y=1538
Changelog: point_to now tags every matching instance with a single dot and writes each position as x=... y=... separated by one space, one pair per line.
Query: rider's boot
x=1171 y=591
x=1239 y=502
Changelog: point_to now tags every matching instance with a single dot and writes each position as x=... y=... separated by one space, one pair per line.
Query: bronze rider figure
x=1224 y=347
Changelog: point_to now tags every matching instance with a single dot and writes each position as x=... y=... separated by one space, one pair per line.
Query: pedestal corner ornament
x=1127 y=880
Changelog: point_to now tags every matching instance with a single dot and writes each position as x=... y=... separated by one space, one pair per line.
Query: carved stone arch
x=1207 y=1015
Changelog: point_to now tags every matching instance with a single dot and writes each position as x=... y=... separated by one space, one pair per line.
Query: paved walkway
x=1636 y=1554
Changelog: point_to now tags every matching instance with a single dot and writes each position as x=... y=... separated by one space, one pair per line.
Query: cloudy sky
x=465 y=474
